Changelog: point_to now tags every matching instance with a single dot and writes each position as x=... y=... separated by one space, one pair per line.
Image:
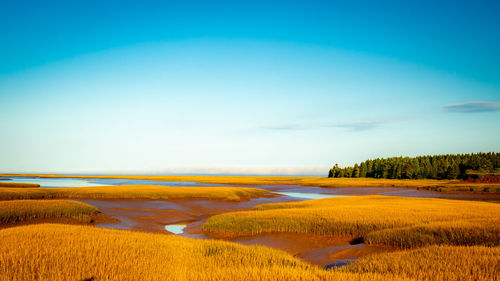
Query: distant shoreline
x=325 y=182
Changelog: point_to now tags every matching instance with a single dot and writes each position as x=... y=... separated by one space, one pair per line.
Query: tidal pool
x=309 y=195
x=56 y=182
x=175 y=228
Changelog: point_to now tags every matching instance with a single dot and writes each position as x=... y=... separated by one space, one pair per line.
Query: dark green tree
x=356 y=171
x=449 y=166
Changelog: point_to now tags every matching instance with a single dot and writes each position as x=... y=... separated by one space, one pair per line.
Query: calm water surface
x=79 y=182
x=175 y=228
x=56 y=182
x=304 y=195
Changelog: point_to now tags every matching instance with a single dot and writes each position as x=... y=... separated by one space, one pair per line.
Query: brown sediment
x=153 y=215
x=101 y=217
x=321 y=250
x=341 y=254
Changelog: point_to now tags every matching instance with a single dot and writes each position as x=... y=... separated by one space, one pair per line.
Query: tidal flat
x=329 y=236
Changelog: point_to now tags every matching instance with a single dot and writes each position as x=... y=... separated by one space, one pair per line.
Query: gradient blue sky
x=280 y=87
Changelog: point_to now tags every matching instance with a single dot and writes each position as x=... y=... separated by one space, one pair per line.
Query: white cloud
x=473 y=107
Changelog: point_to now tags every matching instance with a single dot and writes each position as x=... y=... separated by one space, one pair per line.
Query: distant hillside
x=448 y=166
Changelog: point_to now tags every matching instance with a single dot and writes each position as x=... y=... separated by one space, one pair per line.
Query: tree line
x=448 y=166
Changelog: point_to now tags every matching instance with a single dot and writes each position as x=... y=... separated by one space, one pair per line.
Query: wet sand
x=321 y=250
x=153 y=215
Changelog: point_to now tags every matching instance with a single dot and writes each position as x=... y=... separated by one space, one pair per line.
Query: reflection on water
x=56 y=182
x=309 y=195
x=175 y=228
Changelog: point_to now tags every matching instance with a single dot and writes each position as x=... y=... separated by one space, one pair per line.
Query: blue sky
x=280 y=87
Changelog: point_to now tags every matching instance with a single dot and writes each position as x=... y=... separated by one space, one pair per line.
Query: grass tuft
x=18 y=184
x=68 y=252
x=20 y=210
x=136 y=192
x=481 y=232
x=390 y=220
x=433 y=263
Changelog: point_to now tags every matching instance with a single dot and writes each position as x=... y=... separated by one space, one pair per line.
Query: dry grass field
x=20 y=210
x=135 y=192
x=66 y=252
x=397 y=221
x=18 y=184
x=458 y=232
x=439 y=185
x=448 y=263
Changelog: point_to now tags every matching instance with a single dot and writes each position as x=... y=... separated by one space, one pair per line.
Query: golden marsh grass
x=449 y=263
x=360 y=215
x=460 y=232
x=68 y=252
x=18 y=184
x=136 y=192
x=20 y=210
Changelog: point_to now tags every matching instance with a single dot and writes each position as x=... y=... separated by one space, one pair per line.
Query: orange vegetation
x=66 y=252
x=136 y=192
x=390 y=220
x=20 y=210
x=18 y=184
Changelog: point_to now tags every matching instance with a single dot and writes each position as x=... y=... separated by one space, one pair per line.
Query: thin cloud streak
x=353 y=126
x=367 y=125
x=285 y=127
x=358 y=126
x=473 y=107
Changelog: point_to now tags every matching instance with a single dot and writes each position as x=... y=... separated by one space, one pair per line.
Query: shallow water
x=57 y=182
x=304 y=195
x=175 y=228
x=81 y=182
